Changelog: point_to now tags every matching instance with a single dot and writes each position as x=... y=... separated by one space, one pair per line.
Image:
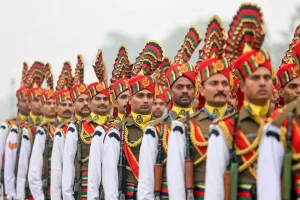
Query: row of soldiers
x=231 y=129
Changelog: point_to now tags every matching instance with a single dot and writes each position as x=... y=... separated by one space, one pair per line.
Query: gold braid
x=197 y=144
x=84 y=136
x=134 y=144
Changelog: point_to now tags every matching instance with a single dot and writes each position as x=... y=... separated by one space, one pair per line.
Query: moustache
x=220 y=93
x=185 y=96
x=85 y=107
x=67 y=112
x=102 y=106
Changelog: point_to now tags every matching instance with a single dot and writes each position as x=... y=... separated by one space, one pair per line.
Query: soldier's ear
x=242 y=86
x=281 y=92
x=201 y=90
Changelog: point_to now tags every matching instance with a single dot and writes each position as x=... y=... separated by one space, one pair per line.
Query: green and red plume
x=128 y=71
x=79 y=71
x=191 y=41
x=246 y=31
x=65 y=79
x=120 y=65
x=36 y=75
x=214 y=42
x=24 y=73
x=49 y=76
x=137 y=65
x=160 y=74
x=152 y=58
x=99 y=67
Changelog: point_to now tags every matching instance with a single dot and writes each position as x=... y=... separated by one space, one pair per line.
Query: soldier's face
x=22 y=106
x=49 y=108
x=182 y=92
x=100 y=104
x=158 y=108
x=65 y=109
x=35 y=106
x=141 y=102
x=216 y=90
x=81 y=106
x=291 y=90
x=122 y=101
x=258 y=87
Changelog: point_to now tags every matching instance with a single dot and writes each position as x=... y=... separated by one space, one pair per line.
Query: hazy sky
x=57 y=30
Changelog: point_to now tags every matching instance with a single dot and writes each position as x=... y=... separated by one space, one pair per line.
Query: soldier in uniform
x=239 y=133
x=278 y=162
x=159 y=105
x=34 y=80
x=122 y=142
x=75 y=99
x=79 y=136
x=216 y=81
x=9 y=142
x=65 y=112
x=120 y=97
x=119 y=84
x=39 y=169
x=181 y=80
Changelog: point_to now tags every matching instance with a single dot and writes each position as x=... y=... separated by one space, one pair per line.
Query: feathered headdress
x=64 y=84
x=120 y=65
x=78 y=83
x=119 y=79
x=101 y=85
x=149 y=59
x=22 y=91
x=211 y=58
x=248 y=38
x=48 y=93
x=34 y=80
x=181 y=66
x=288 y=70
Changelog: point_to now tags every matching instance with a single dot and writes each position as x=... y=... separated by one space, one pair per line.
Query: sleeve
x=147 y=161
x=3 y=136
x=217 y=160
x=95 y=160
x=57 y=165
x=111 y=153
x=36 y=165
x=70 y=150
x=23 y=164
x=9 y=166
x=176 y=161
x=271 y=153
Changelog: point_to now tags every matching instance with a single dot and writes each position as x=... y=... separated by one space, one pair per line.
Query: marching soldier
x=159 y=105
x=77 y=97
x=120 y=96
x=234 y=140
x=122 y=142
x=181 y=78
x=35 y=79
x=78 y=139
x=278 y=162
x=119 y=84
x=65 y=111
x=82 y=111
x=10 y=138
x=39 y=169
x=187 y=148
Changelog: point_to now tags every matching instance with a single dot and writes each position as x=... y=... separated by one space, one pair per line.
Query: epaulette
x=62 y=124
x=118 y=125
x=158 y=121
x=10 y=120
x=279 y=120
x=230 y=115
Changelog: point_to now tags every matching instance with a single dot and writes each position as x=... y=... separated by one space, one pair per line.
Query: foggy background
x=56 y=31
